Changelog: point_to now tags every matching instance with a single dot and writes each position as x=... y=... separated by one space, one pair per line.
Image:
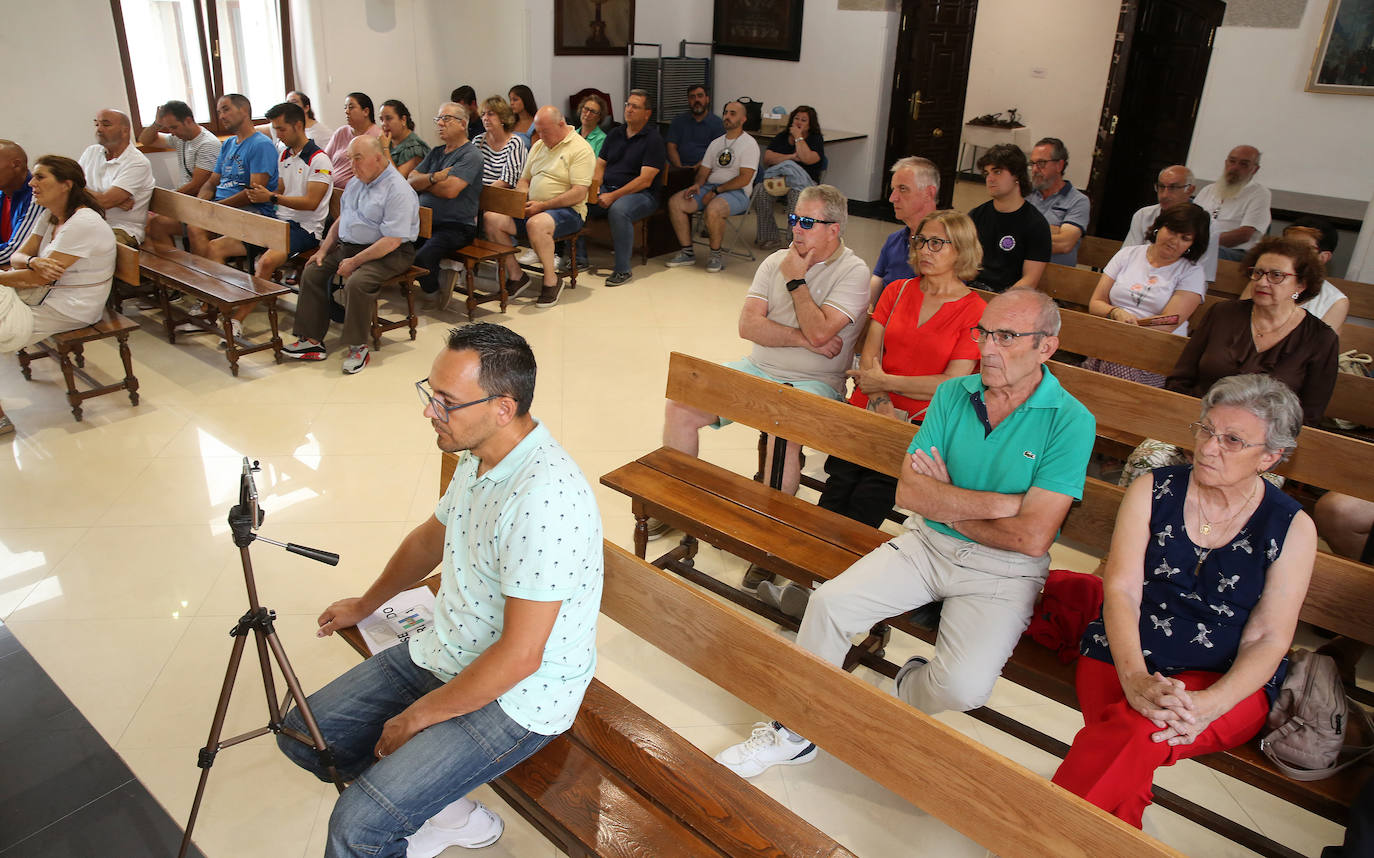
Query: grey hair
x=1057 y=150
x=456 y=108
x=1046 y=310
x=927 y=174
x=1186 y=171
x=834 y=203
x=1268 y=399
x=644 y=94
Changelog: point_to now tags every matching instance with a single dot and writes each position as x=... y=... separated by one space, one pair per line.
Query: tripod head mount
x=246 y=516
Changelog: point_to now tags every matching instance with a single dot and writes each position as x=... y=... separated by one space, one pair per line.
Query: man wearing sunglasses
x=502 y=669
x=991 y=474
x=1174 y=185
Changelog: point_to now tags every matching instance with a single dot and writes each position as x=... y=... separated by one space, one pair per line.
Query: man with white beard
x=1238 y=205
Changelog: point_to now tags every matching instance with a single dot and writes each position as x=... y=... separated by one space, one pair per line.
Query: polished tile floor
x=118 y=576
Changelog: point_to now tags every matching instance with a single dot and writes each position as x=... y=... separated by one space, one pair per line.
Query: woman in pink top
x=361 y=120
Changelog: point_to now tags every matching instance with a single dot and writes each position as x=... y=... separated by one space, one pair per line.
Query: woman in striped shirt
x=503 y=152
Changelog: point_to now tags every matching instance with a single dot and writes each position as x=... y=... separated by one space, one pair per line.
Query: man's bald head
x=552 y=128
x=1242 y=163
x=14 y=166
x=1174 y=186
x=112 y=130
x=368 y=156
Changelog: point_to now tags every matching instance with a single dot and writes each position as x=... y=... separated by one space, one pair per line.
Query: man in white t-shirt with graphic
x=1239 y=206
x=196 y=149
x=723 y=183
x=120 y=176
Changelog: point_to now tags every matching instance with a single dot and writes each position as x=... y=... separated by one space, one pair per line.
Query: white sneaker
x=483 y=828
x=356 y=359
x=769 y=745
x=529 y=257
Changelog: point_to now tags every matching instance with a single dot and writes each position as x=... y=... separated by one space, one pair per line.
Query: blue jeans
x=444 y=240
x=623 y=213
x=392 y=797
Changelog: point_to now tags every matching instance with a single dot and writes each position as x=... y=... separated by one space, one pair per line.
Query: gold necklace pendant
x=1206 y=528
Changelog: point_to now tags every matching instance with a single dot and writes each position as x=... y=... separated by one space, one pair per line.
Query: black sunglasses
x=794 y=220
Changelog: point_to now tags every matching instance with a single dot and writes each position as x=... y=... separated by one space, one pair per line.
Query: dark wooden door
x=928 y=85
x=1154 y=87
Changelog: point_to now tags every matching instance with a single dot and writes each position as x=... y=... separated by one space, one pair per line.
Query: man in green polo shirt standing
x=990 y=475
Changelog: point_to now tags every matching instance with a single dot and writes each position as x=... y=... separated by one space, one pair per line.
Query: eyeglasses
x=794 y=221
x=1273 y=278
x=1001 y=338
x=1229 y=443
x=445 y=118
x=936 y=245
x=1041 y=164
x=440 y=409
x=1175 y=188
x=592 y=110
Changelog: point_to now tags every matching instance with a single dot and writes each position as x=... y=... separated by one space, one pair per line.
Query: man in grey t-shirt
x=448 y=181
x=197 y=151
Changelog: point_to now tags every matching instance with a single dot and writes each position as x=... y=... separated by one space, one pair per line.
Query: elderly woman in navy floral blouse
x=1207 y=572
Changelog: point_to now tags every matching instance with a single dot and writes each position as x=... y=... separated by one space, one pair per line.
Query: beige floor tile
x=27 y=558
x=65 y=492
x=233 y=430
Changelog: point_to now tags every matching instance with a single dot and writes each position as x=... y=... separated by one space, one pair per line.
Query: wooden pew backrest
x=126 y=265
x=1096 y=251
x=506 y=201
x=223 y=220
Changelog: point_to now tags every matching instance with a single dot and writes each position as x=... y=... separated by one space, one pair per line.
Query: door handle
x=914 y=103
x=938 y=132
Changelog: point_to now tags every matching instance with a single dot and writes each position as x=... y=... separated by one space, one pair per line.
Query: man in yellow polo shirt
x=557 y=174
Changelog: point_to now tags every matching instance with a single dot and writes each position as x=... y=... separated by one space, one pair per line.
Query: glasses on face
x=592 y=110
x=445 y=118
x=794 y=221
x=1040 y=165
x=1228 y=442
x=442 y=409
x=1175 y=188
x=936 y=245
x=1001 y=337
x=1273 y=277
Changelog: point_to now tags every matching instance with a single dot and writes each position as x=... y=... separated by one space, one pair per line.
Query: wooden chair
x=506 y=201
x=68 y=347
x=407 y=281
x=575 y=101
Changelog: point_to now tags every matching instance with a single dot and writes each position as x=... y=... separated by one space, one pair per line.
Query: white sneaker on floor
x=769 y=745
x=483 y=828
x=356 y=359
x=529 y=257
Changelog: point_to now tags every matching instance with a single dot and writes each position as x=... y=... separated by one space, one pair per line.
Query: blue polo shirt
x=893 y=260
x=1067 y=205
x=1044 y=443
x=528 y=528
x=692 y=137
x=238 y=161
x=386 y=206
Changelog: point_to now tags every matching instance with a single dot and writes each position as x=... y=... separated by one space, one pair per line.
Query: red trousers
x=1112 y=761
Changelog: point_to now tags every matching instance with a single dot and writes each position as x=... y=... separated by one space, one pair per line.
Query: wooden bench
x=1095 y=251
x=793 y=538
x=1073 y=287
x=599 y=230
x=68 y=347
x=504 y=201
x=406 y=280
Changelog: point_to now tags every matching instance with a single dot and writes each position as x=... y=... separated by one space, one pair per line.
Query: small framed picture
x=593 y=27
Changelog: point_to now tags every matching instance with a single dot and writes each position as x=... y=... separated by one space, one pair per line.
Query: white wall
x=1315 y=143
x=1050 y=62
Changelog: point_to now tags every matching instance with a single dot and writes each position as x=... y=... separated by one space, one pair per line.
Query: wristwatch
x=274 y=199
x=794 y=285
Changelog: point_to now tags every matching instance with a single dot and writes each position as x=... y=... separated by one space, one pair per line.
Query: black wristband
x=274 y=199
x=794 y=285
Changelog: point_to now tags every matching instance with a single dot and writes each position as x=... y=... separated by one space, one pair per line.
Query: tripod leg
x=207 y=754
x=302 y=706
x=269 y=683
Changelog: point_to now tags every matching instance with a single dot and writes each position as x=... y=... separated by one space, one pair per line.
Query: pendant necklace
x=1207 y=525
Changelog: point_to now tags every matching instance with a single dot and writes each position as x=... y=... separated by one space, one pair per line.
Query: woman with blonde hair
x=503 y=151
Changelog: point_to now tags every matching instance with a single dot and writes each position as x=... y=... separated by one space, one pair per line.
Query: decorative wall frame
x=767 y=29
x=593 y=27
x=1344 y=61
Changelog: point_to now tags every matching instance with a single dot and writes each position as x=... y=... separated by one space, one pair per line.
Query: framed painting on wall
x=593 y=27
x=1344 y=62
x=768 y=29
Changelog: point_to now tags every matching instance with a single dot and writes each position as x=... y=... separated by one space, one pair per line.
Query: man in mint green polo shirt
x=502 y=669
x=990 y=475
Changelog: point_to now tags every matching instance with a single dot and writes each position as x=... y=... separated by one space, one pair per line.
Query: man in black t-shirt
x=1015 y=237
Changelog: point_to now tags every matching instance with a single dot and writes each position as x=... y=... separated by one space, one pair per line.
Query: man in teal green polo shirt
x=990 y=475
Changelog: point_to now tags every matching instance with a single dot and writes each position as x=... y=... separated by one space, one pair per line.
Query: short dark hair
x=401 y=110
x=1184 y=219
x=1058 y=152
x=1009 y=157
x=463 y=95
x=644 y=94
x=698 y=86
x=1306 y=265
x=1327 y=236
x=365 y=103
x=180 y=110
x=290 y=113
x=507 y=361
x=239 y=101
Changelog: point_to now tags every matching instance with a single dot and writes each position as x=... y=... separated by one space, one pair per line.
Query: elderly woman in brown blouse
x=1270 y=333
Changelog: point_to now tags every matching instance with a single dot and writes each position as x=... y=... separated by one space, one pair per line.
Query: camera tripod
x=244 y=519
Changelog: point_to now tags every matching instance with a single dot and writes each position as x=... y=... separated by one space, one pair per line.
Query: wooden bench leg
x=25 y=359
x=276 y=334
x=641 y=528
x=409 y=288
x=69 y=373
x=471 y=270
x=80 y=351
x=130 y=380
x=874 y=645
x=231 y=344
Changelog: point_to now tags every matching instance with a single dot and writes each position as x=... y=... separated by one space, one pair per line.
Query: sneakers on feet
x=356 y=359
x=716 y=263
x=514 y=289
x=618 y=278
x=684 y=257
x=769 y=745
x=560 y=264
x=912 y=664
x=483 y=828
x=304 y=350
x=656 y=528
x=754 y=576
x=548 y=295
x=790 y=599
x=529 y=257
x=6 y=425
